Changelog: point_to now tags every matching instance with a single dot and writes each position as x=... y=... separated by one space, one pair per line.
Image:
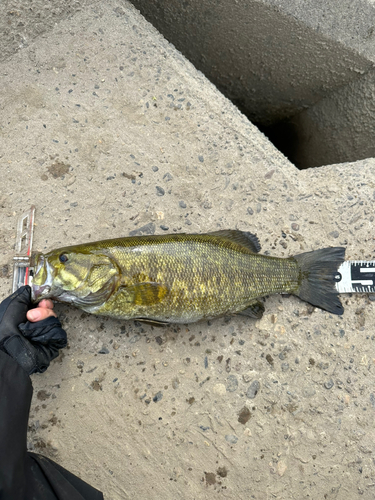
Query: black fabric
x=40 y=341
x=23 y=475
x=13 y=311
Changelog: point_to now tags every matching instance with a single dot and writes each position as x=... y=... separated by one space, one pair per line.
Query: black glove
x=32 y=345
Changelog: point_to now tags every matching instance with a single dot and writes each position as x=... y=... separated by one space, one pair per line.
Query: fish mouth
x=39 y=292
x=41 y=286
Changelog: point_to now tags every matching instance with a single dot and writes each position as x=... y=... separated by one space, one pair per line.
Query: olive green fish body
x=170 y=278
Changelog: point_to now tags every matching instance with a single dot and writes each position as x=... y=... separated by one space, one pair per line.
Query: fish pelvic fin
x=317 y=278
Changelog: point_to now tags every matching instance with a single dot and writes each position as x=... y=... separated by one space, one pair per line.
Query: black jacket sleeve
x=23 y=475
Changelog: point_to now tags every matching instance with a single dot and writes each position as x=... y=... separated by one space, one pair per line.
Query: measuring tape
x=356 y=276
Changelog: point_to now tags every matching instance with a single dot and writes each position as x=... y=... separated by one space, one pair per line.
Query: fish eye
x=63 y=258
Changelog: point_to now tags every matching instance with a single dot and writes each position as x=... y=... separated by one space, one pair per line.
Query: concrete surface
x=303 y=61
x=339 y=128
x=348 y=22
x=21 y=21
x=266 y=61
x=108 y=129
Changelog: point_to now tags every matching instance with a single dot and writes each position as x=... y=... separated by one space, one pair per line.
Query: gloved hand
x=32 y=345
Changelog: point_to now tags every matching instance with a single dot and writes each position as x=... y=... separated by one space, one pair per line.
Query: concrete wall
x=276 y=59
x=348 y=22
x=268 y=63
x=339 y=128
x=284 y=64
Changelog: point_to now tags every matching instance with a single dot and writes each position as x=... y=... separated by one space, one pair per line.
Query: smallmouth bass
x=183 y=278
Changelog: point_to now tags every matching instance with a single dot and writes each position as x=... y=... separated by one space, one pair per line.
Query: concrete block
x=296 y=69
x=108 y=129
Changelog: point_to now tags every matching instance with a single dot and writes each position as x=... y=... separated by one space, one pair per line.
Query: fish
x=183 y=278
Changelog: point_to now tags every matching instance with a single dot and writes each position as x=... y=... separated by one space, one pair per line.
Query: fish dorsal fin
x=243 y=238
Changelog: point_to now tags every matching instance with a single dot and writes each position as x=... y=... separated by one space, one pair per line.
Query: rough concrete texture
x=339 y=128
x=347 y=22
x=108 y=129
x=23 y=20
x=266 y=61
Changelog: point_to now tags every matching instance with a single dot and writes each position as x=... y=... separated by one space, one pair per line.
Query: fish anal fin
x=243 y=238
x=145 y=294
x=152 y=322
x=254 y=310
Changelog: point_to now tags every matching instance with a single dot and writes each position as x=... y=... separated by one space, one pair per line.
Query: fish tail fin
x=318 y=270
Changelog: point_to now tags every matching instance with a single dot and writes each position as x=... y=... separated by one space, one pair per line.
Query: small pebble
x=104 y=350
x=334 y=234
x=182 y=204
x=308 y=392
x=155 y=169
x=201 y=159
x=232 y=383
x=167 y=177
x=269 y=359
x=295 y=226
x=4 y=271
x=158 y=396
x=219 y=389
x=253 y=389
x=244 y=416
x=231 y=438
x=146 y=229
x=160 y=191
x=329 y=384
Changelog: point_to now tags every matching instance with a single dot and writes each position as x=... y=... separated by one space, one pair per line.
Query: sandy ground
x=107 y=129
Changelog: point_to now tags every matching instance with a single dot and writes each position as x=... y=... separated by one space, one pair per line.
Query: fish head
x=84 y=278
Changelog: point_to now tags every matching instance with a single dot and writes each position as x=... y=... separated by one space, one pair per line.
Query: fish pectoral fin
x=145 y=294
x=243 y=238
x=152 y=322
x=255 y=310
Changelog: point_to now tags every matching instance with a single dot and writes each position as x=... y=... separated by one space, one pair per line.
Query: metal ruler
x=22 y=271
x=352 y=275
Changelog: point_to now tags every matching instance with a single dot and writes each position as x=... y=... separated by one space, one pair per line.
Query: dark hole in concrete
x=284 y=135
